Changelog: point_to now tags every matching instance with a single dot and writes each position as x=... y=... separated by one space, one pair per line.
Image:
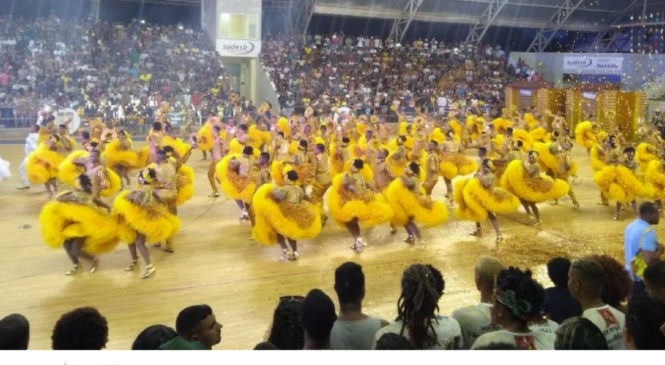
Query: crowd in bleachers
x=584 y=310
x=370 y=74
x=108 y=70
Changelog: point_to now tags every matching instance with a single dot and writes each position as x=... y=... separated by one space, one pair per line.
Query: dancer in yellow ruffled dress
x=236 y=175
x=566 y=167
x=432 y=167
x=525 y=180
x=478 y=199
x=119 y=156
x=283 y=214
x=454 y=162
x=410 y=204
x=43 y=163
x=322 y=178
x=587 y=134
x=143 y=218
x=617 y=181
x=655 y=177
x=105 y=182
x=81 y=223
x=353 y=203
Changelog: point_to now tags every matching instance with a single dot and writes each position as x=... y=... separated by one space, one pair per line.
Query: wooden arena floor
x=242 y=281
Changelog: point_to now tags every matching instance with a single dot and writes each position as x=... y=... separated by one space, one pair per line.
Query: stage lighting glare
x=142 y=21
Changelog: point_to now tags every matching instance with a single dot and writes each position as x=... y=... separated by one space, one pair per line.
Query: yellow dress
x=68 y=173
x=42 y=164
x=620 y=184
x=597 y=158
x=655 y=177
x=79 y=218
x=525 y=137
x=437 y=136
x=115 y=155
x=233 y=185
x=456 y=164
x=533 y=189
x=474 y=201
x=145 y=215
x=546 y=160
x=644 y=154
x=180 y=147
x=419 y=207
x=584 y=134
x=501 y=125
x=184 y=182
x=369 y=207
x=204 y=137
x=257 y=137
x=291 y=220
x=539 y=134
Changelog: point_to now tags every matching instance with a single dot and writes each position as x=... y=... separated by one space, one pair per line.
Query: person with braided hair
x=517 y=300
x=416 y=313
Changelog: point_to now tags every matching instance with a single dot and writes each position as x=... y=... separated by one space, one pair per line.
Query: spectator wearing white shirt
x=518 y=300
x=31 y=144
x=586 y=279
x=416 y=317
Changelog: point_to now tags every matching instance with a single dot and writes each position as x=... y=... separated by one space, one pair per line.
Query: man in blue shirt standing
x=640 y=239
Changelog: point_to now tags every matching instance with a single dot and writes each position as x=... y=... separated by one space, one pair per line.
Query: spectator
x=353 y=329
x=81 y=329
x=14 y=332
x=586 y=281
x=318 y=318
x=645 y=324
x=153 y=337
x=393 y=341
x=197 y=329
x=654 y=280
x=579 y=333
x=559 y=304
x=475 y=320
x=416 y=317
x=641 y=246
x=518 y=300
x=287 y=332
x=618 y=285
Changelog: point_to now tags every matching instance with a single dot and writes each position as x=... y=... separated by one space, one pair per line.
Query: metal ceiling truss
x=301 y=22
x=605 y=41
x=299 y=11
x=485 y=21
x=401 y=25
x=556 y=22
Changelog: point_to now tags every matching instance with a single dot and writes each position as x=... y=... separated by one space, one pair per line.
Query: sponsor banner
x=238 y=48
x=593 y=63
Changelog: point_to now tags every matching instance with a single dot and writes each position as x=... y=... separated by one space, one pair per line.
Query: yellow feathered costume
x=525 y=137
x=407 y=205
x=257 y=137
x=655 y=177
x=370 y=208
x=535 y=190
x=204 y=137
x=184 y=182
x=147 y=217
x=295 y=221
x=539 y=135
x=618 y=183
x=180 y=147
x=501 y=125
x=597 y=158
x=68 y=173
x=61 y=221
x=233 y=185
x=456 y=164
x=644 y=154
x=474 y=201
x=547 y=161
x=114 y=155
x=584 y=134
x=43 y=164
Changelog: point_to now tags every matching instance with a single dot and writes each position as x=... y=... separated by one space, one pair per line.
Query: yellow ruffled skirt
x=114 y=156
x=154 y=221
x=597 y=163
x=655 y=176
x=584 y=136
x=294 y=221
x=474 y=201
x=371 y=208
x=204 y=138
x=539 y=135
x=113 y=184
x=533 y=189
x=618 y=183
x=643 y=155
x=546 y=159
x=232 y=184
x=180 y=147
x=42 y=165
x=68 y=172
x=406 y=205
x=184 y=182
x=61 y=221
x=456 y=164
